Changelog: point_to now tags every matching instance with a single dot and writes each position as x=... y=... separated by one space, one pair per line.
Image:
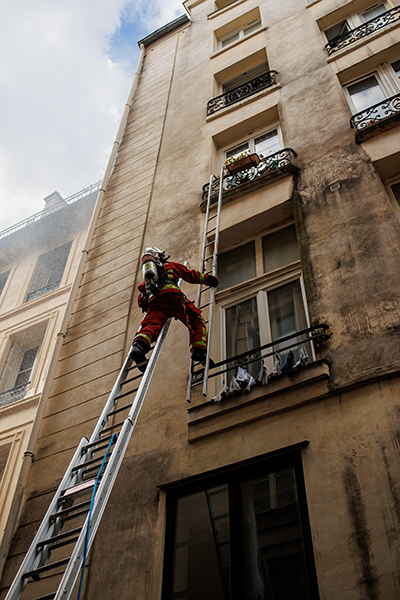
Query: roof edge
x=159 y=33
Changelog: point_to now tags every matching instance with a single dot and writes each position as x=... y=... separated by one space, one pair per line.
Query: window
x=245 y=77
x=365 y=93
x=3 y=280
x=346 y=31
x=241 y=534
x=20 y=364
x=263 y=144
x=337 y=31
x=49 y=271
x=396 y=192
x=396 y=67
x=238 y=34
x=374 y=11
x=275 y=305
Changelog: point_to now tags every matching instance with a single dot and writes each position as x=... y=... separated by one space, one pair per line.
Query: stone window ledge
x=284 y=394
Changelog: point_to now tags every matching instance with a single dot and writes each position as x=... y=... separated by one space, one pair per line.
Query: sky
x=66 y=68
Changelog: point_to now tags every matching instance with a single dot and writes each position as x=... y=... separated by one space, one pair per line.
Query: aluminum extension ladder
x=211 y=230
x=66 y=521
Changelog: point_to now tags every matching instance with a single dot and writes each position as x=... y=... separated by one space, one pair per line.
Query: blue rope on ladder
x=90 y=515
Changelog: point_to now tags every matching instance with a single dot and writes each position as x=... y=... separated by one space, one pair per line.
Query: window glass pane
x=396 y=191
x=267 y=144
x=49 y=271
x=25 y=370
x=236 y=266
x=249 y=75
x=365 y=93
x=396 y=67
x=243 y=333
x=280 y=249
x=3 y=279
x=230 y=39
x=274 y=557
x=202 y=556
x=237 y=150
x=286 y=313
x=252 y=27
x=337 y=31
x=373 y=12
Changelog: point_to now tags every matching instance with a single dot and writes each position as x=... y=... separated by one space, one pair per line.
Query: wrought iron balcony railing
x=376 y=113
x=42 y=291
x=282 y=346
x=243 y=91
x=363 y=30
x=13 y=395
x=271 y=165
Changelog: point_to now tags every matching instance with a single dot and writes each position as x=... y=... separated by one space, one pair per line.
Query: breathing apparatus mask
x=152 y=261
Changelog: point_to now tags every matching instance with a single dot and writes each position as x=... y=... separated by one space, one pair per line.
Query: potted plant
x=242 y=162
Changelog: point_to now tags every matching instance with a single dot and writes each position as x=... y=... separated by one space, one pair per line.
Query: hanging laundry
x=277 y=370
x=223 y=392
x=262 y=377
x=289 y=364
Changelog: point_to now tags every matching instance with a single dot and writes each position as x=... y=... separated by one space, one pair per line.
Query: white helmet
x=155 y=254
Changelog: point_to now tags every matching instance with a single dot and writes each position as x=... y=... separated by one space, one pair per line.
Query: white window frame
x=259 y=288
x=391 y=196
x=386 y=78
x=240 y=31
x=249 y=138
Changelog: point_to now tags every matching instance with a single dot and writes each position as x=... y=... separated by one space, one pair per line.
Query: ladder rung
x=118 y=410
x=47 y=597
x=211 y=230
x=112 y=427
x=76 y=489
x=95 y=468
x=124 y=394
x=60 y=536
x=87 y=463
x=212 y=217
x=130 y=379
x=204 y=305
x=65 y=513
x=39 y=571
x=99 y=441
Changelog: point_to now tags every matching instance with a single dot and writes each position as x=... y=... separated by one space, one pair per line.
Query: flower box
x=243 y=164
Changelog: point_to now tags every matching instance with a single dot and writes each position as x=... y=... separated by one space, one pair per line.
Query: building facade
x=38 y=262
x=287 y=488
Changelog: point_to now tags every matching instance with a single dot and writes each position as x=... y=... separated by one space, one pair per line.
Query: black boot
x=138 y=353
x=200 y=355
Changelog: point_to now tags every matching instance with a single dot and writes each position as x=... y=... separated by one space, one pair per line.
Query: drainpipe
x=29 y=453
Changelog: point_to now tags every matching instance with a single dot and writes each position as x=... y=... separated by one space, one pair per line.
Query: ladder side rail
x=212 y=290
x=19 y=583
x=202 y=269
x=203 y=252
x=109 y=405
x=110 y=474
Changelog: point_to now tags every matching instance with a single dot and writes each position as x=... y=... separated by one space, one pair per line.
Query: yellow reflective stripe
x=143 y=335
x=202 y=278
x=170 y=286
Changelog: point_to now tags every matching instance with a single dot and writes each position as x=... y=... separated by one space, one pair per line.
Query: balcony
x=245 y=90
x=292 y=383
x=272 y=167
x=42 y=291
x=377 y=118
x=13 y=395
x=363 y=30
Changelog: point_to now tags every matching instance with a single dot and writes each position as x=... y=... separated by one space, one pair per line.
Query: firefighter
x=160 y=298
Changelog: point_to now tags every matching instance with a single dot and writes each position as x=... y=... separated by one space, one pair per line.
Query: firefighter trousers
x=173 y=304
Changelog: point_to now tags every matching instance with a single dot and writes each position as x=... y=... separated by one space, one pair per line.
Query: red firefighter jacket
x=173 y=271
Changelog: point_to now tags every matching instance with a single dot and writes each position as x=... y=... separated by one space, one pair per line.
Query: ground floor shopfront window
x=241 y=535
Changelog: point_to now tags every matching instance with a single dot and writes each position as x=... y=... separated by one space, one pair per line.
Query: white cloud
x=62 y=93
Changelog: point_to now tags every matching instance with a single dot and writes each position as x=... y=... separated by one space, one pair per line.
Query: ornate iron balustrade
x=43 y=213
x=281 y=346
x=13 y=395
x=363 y=30
x=243 y=91
x=376 y=113
x=267 y=166
x=42 y=291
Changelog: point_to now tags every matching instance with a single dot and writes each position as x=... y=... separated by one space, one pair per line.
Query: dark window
x=3 y=279
x=241 y=534
x=336 y=32
x=239 y=80
x=396 y=191
x=236 y=266
x=49 y=271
